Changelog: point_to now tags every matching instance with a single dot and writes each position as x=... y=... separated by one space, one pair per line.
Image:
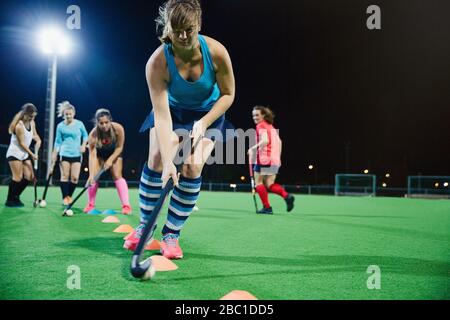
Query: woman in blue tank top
x=191 y=83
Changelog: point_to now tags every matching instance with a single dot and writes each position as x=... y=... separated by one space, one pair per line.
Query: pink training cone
x=239 y=295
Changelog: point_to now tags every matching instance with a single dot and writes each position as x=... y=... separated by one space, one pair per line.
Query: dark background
x=346 y=98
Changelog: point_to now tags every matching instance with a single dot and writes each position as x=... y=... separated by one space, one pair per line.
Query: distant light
x=53 y=41
x=86 y=169
x=436 y=184
x=242 y=178
x=384 y=185
x=233 y=185
x=445 y=184
x=387 y=175
x=133 y=171
x=366 y=171
x=310 y=167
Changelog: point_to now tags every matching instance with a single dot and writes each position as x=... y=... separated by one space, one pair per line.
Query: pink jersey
x=271 y=153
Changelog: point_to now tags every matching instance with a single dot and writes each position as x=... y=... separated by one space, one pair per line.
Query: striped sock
x=182 y=201
x=150 y=189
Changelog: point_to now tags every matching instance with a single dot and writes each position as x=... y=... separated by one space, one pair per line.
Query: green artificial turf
x=321 y=250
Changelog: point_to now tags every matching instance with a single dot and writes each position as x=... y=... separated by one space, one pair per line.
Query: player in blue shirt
x=70 y=144
x=191 y=83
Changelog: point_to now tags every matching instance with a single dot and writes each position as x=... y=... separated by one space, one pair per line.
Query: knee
x=268 y=184
x=191 y=171
x=74 y=180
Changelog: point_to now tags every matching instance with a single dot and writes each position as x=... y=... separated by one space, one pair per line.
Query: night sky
x=385 y=94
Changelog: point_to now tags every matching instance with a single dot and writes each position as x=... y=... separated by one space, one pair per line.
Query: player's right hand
x=90 y=181
x=169 y=171
x=34 y=156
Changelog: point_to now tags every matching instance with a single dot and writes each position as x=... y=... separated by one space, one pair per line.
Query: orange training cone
x=124 y=228
x=111 y=219
x=154 y=245
x=163 y=264
x=239 y=295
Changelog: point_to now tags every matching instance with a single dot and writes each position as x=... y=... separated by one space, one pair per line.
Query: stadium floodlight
x=366 y=171
x=384 y=185
x=388 y=175
x=310 y=167
x=445 y=184
x=52 y=42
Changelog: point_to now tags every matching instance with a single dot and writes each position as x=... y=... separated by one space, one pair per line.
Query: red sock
x=276 y=188
x=263 y=195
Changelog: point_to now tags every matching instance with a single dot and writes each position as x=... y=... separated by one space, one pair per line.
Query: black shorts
x=12 y=158
x=70 y=159
x=266 y=170
x=105 y=154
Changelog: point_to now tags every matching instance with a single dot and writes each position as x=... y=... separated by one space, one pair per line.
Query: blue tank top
x=199 y=95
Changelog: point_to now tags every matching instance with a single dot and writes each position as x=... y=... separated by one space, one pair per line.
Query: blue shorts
x=182 y=119
x=266 y=170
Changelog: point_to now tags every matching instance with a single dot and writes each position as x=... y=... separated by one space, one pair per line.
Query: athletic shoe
x=290 y=202
x=18 y=202
x=133 y=240
x=126 y=209
x=170 y=248
x=265 y=211
x=67 y=201
x=88 y=208
x=14 y=204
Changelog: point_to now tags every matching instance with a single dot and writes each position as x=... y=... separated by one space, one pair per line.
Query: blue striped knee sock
x=149 y=191
x=182 y=201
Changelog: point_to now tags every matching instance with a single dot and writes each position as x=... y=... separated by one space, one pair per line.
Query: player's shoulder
x=157 y=59
x=117 y=126
x=216 y=48
x=19 y=125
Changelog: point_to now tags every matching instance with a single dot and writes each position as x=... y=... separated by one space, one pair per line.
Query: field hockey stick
x=35 y=167
x=50 y=175
x=139 y=269
x=87 y=185
x=252 y=180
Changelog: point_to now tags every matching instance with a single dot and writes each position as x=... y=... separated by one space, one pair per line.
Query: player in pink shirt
x=268 y=159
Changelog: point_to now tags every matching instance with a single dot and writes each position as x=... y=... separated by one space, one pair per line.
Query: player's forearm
x=117 y=152
x=219 y=108
x=37 y=145
x=93 y=160
x=260 y=144
x=25 y=147
x=163 y=127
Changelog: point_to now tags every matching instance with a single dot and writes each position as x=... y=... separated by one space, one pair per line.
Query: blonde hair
x=266 y=112
x=99 y=133
x=27 y=110
x=63 y=106
x=175 y=14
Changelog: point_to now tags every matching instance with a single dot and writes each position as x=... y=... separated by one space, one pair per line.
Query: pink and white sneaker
x=170 y=247
x=133 y=240
x=89 y=207
x=126 y=209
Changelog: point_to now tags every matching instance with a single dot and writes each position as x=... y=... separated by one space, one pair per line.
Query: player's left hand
x=198 y=130
x=83 y=149
x=108 y=164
